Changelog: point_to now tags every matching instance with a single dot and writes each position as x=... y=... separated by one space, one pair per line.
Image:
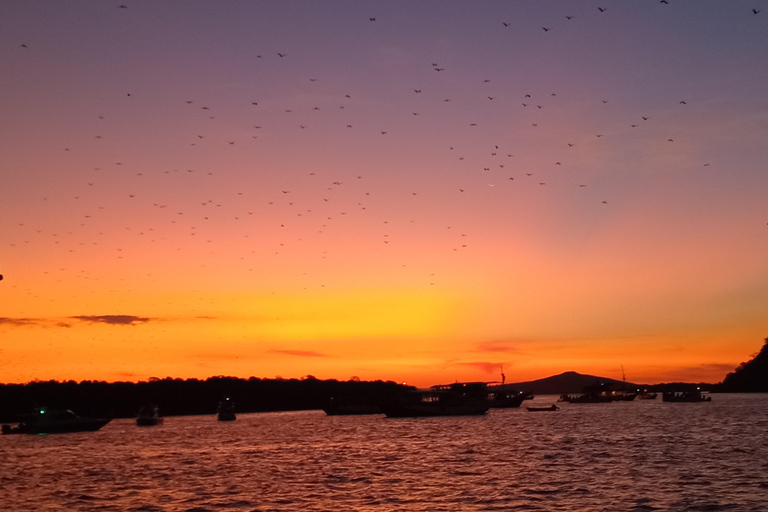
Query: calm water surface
x=635 y=456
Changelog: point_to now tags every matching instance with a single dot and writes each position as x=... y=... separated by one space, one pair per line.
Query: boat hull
x=543 y=409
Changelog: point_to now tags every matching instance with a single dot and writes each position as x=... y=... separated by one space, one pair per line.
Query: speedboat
x=457 y=399
x=45 y=421
x=148 y=416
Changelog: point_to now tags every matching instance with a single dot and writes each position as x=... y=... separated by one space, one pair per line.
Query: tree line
x=188 y=396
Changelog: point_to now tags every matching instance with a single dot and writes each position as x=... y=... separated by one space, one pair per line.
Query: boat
x=620 y=396
x=148 y=416
x=457 y=399
x=647 y=395
x=504 y=397
x=47 y=421
x=552 y=407
x=586 y=398
x=226 y=410
x=598 y=393
x=349 y=407
x=685 y=396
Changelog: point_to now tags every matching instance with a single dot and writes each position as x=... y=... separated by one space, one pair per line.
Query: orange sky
x=258 y=189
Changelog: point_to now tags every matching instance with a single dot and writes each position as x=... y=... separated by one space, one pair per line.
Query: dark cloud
x=4 y=320
x=300 y=353
x=112 y=319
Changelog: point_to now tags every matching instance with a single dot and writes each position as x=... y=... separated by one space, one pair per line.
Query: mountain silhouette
x=570 y=383
x=749 y=377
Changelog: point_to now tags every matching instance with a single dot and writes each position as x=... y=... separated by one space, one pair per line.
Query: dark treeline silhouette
x=749 y=377
x=190 y=396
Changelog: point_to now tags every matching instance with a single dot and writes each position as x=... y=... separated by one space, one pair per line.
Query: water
x=633 y=456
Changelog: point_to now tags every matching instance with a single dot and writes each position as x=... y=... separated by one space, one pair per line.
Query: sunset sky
x=418 y=191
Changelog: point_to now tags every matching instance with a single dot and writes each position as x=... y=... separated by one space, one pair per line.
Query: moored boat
x=45 y=421
x=226 y=410
x=586 y=398
x=620 y=396
x=149 y=416
x=552 y=407
x=457 y=399
x=685 y=396
x=504 y=397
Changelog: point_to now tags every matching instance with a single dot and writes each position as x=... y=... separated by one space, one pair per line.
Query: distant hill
x=749 y=377
x=570 y=383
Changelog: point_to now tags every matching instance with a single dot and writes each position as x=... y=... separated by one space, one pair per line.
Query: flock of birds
x=209 y=205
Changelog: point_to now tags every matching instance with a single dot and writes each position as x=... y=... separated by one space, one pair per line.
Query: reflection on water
x=632 y=456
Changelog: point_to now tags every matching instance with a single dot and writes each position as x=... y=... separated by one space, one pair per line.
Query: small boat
x=226 y=410
x=685 y=396
x=647 y=395
x=552 y=407
x=457 y=399
x=148 y=416
x=350 y=407
x=45 y=421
